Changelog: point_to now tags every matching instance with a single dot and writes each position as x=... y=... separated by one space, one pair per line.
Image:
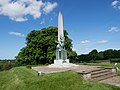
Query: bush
x=1 y=67
x=7 y=65
x=28 y=66
x=84 y=63
x=115 y=60
x=17 y=64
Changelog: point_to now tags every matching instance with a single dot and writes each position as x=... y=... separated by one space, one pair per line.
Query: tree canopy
x=94 y=55
x=40 y=47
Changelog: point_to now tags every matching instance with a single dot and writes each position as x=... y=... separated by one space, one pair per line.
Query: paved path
x=79 y=69
x=113 y=81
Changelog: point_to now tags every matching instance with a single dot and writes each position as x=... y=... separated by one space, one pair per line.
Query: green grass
x=118 y=73
x=21 y=78
x=102 y=64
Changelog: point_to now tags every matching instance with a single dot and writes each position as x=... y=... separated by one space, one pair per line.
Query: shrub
x=115 y=60
x=1 y=67
x=17 y=64
x=84 y=63
x=7 y=65
x=28 y=66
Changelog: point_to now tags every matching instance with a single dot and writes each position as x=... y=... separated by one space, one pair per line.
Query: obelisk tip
x=60 y=13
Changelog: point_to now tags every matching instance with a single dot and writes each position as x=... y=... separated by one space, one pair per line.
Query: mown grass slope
x=21 y=78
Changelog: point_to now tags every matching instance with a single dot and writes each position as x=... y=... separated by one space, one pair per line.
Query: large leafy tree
x=93 y=54
x=108 y=54
x=40 y=47
x=84 y=58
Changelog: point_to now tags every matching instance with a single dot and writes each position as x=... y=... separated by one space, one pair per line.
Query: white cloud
x=16 y=34
x=102 y=41
x=116 y=4
x=85 y=41
x=18 y=10
x=113 y=29
x=49 y=7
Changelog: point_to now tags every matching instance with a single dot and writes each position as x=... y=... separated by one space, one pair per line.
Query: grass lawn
x=103 y=64
x=21 y=78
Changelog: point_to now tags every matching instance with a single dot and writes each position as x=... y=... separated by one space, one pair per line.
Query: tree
x=40 y=47
x=72 y=55
x=100 y=56
x=93 y=55
x=118 y=54
x=108 y=54
x=84 y=58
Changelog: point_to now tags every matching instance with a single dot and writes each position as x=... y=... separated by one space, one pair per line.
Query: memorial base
x=62 y=64
x=61 y=61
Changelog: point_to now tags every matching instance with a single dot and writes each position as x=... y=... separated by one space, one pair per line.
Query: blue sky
x=91 y=24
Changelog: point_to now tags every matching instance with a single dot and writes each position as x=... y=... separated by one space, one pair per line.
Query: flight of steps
x=101 y=74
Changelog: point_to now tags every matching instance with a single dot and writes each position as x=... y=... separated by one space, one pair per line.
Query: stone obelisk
x=61 y=53
x=60 y=26
x=61 y=60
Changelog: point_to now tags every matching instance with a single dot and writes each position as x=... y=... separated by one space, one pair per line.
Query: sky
x=91 y=24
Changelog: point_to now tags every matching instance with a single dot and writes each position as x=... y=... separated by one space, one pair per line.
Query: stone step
x=104 y=77
x=101 y=74
x=100 y=71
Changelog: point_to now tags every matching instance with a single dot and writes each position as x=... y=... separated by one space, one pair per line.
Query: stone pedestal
x=61 y=54
x=58 y=62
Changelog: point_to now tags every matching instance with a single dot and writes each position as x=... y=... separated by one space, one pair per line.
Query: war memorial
x=61 y=60
x=61 y=63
